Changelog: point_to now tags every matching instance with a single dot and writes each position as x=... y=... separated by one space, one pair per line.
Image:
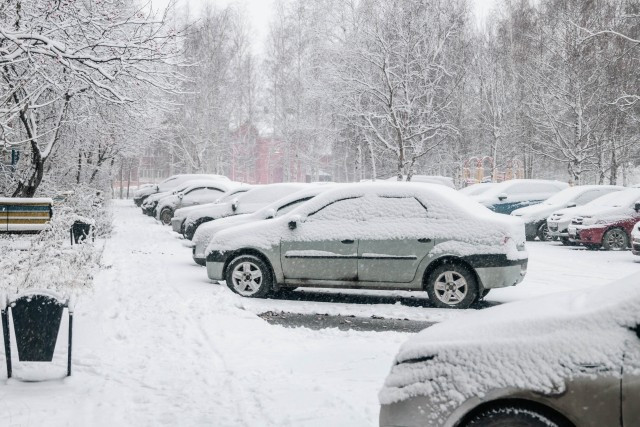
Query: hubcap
x=544 y=232
x=616 y=240
x=166 y=217
x=246 y=278
x=451 y=287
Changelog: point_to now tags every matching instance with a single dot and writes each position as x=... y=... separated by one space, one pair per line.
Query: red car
x=608 y=226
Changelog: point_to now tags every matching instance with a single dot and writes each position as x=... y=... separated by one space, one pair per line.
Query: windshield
x=566 y=196
x=230 y=195
x=268 y=194
x=617 y=199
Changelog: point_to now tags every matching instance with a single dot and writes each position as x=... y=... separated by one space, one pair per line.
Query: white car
x=535 y=217
x=568 y=359
x=180 y=215
x=508 y=196
x=197 y=193
x=427 y=179
x=248 y=202
x=206 y=231
x=150 y=204
x=420 y=237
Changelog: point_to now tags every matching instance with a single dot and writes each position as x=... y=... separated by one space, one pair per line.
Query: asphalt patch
x=344 y=323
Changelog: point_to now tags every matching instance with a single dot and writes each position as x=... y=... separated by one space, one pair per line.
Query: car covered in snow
x=570 y=359
x=249 y=202
x=477 y=189
x=607 y=224
x=150 y=204
x=380 y=236
x=508 y=196
x=197 y=193
x=205 y=232
x=635 y=239
x=169 y=184
x=180 y=215
x=426 y=179
x=535 y=217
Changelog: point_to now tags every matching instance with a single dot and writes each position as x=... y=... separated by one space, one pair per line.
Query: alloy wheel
x=246 y=278
x=451 y=287
x=616 y=240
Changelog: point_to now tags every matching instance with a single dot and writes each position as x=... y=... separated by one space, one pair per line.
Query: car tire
x=166 y=215
x=566 y=242
x=615 y=239
x=512 y=416
x=249 y=276
x=485 y=293
x=446 y=281
x=543 y=232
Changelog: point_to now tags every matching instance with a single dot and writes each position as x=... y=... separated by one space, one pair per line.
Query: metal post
x=7 y=340
x=70 y=342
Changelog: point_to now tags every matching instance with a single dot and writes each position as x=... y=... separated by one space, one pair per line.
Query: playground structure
x=473 y=170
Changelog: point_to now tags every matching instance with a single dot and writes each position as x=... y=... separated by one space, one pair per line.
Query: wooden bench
x=19 y=215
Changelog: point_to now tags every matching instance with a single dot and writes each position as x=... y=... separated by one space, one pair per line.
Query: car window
x=395 y=208
x=291 y=206
x=350 y=209
x=588 y=196
x=203 y=191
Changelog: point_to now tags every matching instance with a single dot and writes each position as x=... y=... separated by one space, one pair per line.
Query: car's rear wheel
x=249 y=276
x=615 y=239
x=166 y=215
x=452 y=285
x=543 y=232
x=512 y=416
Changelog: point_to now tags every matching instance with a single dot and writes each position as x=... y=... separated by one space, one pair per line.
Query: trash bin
x=36 y=321
x=80 y=231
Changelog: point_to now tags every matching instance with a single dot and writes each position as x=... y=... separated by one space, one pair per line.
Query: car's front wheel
x=513 y=417
x=249 y=276
x=543 y=232
x=166 y=215
x=615 y=239
x=452 y=285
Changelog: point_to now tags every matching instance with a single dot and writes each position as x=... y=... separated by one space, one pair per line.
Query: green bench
x=18 y=215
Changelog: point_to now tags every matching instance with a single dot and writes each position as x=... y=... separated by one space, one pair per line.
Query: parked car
x=197 y=193
x=570 y=359
x=608 y=225
x=635 y=239
x=149 y=206
x=205 y=232
x=477 y=189
x=559 y=221
x=535 y=217
x=245 y=203
x=169 y=184
x=427 y=179
x=180 y=215
x=508 y=196
x=379 y=236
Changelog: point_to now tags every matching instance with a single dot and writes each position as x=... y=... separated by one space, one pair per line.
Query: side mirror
x=157 y=188
x=271 y=213
x=636 y=207
x=180 y=195
x=502 y=196
x=293 y=222
x=234 y=205
x=572 y=205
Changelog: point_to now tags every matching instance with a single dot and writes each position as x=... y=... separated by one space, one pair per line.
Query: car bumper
x=176 y=224
x=557 y=229
x=587 y=236
x=497 y=271
x=215 y=265
x=414 y=412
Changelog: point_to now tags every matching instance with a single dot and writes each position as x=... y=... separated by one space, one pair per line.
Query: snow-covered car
x=427 y=179
x=205 y=232
x=571 y=359
x=535 y=217
x=379 y=236
x=508 y=196
x=635 y=239
x=198 y=193
x=249 y=202
x=150 y=204
x=180 y=215
x=477 y=189
x=169 y=184
x=609 y=223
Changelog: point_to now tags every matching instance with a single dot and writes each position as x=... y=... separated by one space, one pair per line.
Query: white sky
x=260 y=12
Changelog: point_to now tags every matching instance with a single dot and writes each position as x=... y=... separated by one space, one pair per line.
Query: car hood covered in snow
x=533 y=345
x=535 y=212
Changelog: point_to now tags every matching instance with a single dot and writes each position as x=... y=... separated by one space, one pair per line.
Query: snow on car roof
x=535 y=345
x=502 y=186
x=569 y=194
x=617 y=199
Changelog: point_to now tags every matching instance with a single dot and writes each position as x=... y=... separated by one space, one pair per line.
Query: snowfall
x=157 y=343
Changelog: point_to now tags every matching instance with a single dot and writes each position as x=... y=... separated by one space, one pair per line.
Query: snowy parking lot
x=156 y=343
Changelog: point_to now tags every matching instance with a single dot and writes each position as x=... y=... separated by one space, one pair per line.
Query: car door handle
x=424 y=240
x=348 y=241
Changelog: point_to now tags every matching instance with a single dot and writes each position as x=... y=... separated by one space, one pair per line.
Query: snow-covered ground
x=156 y=343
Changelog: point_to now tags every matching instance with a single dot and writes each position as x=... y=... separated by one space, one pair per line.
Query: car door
x=385 y=254
x=323 y=246
x=631 y=382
